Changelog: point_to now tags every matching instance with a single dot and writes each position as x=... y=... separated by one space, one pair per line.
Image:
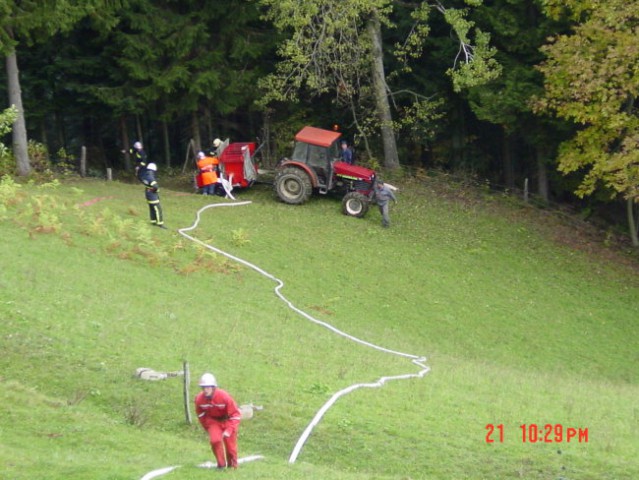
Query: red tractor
x=315 y=166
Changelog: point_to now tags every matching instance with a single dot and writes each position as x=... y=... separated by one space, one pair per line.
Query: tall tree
x=336 y=46
x=592 y=79
x=519 y=29
x=20 y=150
x=29 y=22
x=183 y=60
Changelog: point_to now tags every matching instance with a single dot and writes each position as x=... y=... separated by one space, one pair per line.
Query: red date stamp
x=533 y=433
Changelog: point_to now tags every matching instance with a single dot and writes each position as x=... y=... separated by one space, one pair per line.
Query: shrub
x=7 y=162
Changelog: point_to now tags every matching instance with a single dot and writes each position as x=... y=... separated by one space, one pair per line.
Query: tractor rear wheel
x=293 y=186
x=355 y=204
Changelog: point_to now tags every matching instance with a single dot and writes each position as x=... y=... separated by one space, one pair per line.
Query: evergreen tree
x=30 y=22
x=184 y=60
x=518 y=28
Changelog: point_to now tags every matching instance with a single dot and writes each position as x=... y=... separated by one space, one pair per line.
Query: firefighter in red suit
x=218 y=413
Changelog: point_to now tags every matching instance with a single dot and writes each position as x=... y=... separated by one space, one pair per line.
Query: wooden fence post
x=187 y=381
x=83 y=162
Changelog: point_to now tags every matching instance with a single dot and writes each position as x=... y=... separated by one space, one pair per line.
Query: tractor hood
x=354 y=172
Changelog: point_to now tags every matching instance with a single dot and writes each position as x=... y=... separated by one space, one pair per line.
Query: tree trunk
x=459 y=139
x=167 y=143
x=195 y=128
x=126 y=143
x=44 y=136
x=391 y=159
x=632 y=224
x=138 y=127
x=267 y=154
x=61 y=135
x=209 y=126
x=507 y=161
x=542 y=174
x=20 y=150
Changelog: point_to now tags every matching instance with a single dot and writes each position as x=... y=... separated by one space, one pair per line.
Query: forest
x=535 y=94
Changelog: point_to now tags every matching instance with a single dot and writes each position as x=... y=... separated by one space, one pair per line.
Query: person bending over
x=220 y=417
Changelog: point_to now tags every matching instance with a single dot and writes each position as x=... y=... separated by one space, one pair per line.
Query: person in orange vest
x=220 y=416
x=208 y=173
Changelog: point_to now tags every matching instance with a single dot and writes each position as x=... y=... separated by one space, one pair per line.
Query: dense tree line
x=504 y=89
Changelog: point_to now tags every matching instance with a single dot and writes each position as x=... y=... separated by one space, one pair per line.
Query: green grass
x=517 y=328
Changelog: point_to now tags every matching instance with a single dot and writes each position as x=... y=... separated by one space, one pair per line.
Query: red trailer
x=237 y=165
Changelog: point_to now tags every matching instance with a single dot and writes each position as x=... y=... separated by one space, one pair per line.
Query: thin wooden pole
x=83 y=162
x=187 y=381
x=189 y=149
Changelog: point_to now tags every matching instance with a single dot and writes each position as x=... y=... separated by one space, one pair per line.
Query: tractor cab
x=318 y=149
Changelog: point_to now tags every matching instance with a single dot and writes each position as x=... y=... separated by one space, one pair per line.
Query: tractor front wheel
x=293 y=186
x=355 y=204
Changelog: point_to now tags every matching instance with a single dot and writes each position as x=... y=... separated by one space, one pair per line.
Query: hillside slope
x=518 y=330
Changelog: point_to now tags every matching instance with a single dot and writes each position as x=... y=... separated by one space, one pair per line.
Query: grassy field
x=518 y=328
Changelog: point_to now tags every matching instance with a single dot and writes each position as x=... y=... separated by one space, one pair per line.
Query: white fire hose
x=415 y=359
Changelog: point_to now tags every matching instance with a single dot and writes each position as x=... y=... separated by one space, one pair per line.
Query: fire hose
x=415 y=359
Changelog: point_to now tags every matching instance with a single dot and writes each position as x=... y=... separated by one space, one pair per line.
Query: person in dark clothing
x=383 y=195
x=151 y=188
x=347 y=153
x=140 y=159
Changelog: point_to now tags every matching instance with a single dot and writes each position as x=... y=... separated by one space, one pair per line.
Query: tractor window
x=317 y=156
x=334 y=151
x=318 y=160
x=300 y=152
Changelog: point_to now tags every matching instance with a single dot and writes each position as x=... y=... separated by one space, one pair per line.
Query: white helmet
x=208 y=380
x=216 y=142
x=137 y=145
x=152 y=166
